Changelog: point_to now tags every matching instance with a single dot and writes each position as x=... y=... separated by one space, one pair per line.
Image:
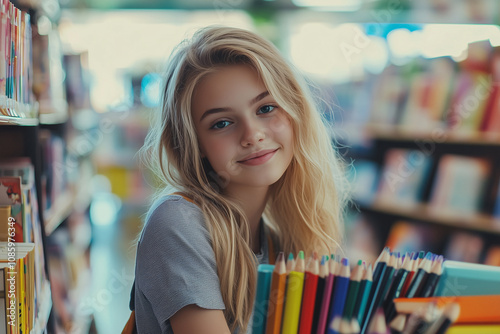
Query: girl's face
x=244 y=134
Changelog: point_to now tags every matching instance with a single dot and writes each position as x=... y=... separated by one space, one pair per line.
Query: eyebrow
x=251 y=103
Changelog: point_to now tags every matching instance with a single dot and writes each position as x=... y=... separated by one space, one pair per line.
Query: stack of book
x=22 y=264
x=399 y=293
x=16 y=97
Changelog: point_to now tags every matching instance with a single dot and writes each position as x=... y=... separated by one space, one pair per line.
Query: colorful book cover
x=459 y=186
x=408 y=237
x=403 y=179
x=11 y=194
x=493 y=256
x=469 y=102
x=429 y=95
x=465 y=247
x=364 y=178
x=388 y=96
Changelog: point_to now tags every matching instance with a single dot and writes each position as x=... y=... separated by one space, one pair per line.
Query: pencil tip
x=301 y=255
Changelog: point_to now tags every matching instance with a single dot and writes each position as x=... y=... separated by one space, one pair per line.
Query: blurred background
x=409 y=90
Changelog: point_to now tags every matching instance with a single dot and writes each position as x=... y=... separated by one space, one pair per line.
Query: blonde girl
x=243 y=147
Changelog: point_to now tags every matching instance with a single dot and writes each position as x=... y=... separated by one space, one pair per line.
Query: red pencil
x=409 y=278
x=309 y=295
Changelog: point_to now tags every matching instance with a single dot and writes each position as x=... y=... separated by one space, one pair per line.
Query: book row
x=439 y=93
x=458 y=186
x=16 y=72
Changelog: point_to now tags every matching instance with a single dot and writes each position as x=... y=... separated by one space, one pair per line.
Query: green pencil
x=352 y=293
x=363 y=294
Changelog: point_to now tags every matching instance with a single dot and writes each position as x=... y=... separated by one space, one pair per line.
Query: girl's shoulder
x=173 y=213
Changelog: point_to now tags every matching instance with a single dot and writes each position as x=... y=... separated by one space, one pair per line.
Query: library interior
x=409 y=92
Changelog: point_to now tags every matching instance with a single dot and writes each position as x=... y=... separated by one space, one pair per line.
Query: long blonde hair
x=305 y=206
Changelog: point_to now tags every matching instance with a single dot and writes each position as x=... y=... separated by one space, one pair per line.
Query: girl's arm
x=193 y=319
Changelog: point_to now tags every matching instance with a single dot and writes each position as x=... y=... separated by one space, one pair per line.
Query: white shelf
x=9 y=120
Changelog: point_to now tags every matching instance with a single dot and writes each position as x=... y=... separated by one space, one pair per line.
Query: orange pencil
x=309 y=295
x=276 y=296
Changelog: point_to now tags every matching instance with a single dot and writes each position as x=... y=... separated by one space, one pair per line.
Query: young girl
x=245 y=150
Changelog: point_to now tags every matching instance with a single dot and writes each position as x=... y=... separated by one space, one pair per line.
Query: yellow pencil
x=294 y=287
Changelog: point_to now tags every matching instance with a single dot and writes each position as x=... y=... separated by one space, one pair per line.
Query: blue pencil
x=376 y=289
x=264 y=276
x=339 y=297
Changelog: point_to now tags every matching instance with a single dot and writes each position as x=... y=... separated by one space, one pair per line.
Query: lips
x=257 y=155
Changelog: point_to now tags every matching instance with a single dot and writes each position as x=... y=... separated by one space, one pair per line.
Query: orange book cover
x=473 y=309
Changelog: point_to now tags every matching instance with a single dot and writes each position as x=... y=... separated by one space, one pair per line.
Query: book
x=11 y=194
x=465 y=247
x=364 y=178
x=459 y=186
x=467 y=279
x=493 y=256
x=403 y=177
x=429 y=95
x=405 y=237
x=472 y=308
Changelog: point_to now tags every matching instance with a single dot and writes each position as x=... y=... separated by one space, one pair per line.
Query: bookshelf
x=394 y=133
x=475 y=222
x=432 y=160
x=36 y=126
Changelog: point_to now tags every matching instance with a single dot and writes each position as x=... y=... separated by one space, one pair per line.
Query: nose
x=253 y=132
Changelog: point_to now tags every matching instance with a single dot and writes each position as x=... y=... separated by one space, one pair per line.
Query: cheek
x=282 y=128
x=218 y=152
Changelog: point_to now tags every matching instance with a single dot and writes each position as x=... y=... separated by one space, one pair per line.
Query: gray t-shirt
x=175 y=265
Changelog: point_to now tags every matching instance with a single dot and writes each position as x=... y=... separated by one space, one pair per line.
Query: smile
x=258 y=160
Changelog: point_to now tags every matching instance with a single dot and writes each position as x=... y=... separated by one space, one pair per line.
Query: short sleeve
x=175 y=264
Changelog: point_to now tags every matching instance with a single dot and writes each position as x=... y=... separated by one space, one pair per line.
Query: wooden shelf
x=44 y=311
x=423 y=212
x=400 y=133
x=19 y=121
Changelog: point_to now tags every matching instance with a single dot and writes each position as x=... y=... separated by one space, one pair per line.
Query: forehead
x=227 y=86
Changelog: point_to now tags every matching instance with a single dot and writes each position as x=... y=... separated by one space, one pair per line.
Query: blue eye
x=266 y=109
x=220 y=125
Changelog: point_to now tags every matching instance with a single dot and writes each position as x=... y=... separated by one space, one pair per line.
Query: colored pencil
x=277 y=296
x=378 y=325
x=294 y=288
x=411 y=274
x=290 y=264
x=265 y=272
x=339 y=297
x=387 y=279
x=377 y=286
x=309 y=295
x=433 y=278
x=327 y=294
x=396 y=288
x=323 y=275
x=364 y=293
x=420 y=320
x=420 y=277
x=398 y=324
x=352 y=294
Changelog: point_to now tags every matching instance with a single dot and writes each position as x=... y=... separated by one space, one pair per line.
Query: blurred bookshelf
x=432 y=163
x=46 y=189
